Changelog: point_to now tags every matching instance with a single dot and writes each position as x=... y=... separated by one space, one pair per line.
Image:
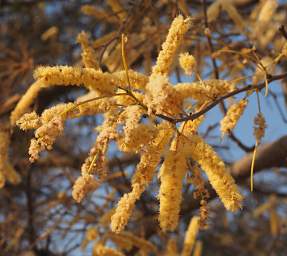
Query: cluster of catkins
x=124 y=97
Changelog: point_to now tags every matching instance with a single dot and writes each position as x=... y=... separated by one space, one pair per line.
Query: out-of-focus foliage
x=135 y=79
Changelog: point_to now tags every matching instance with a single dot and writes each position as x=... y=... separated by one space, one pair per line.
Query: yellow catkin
x=190 y=236
x=138 y=242
x=161 y=97
x=4 y=144
x=121 y=242
x=117 y=9
x=51 y=125
x=220 y=179
x=45 y=137
x=65 y=75
x=7 y=171
x=100 y=250
x=175 y=35
x=232 y=116
x=64 y=110
x=91 y=233
x=137 y=80
x=197 y=248
x=150 y=157
x=29 y=121
x=105 y=39
x=83 y=185
x=89 y=57
x=136 y=135
x=187 y=63
x=96 y=161
x=233 y=13
x=50 y=33
x=92 y=104
x=203 y=91
x=123 y=212
x=98 y=13
x=267 y=11
x=274 y=223
x=171 y=248
x=172 y=173
x=2 y=179
x=213 y=11
x=26 y=101
x=11 y=174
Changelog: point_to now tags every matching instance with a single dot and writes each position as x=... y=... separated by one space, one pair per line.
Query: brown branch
x=228 y=95
x=209 y=41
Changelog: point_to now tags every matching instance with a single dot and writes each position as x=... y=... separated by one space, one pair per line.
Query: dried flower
x=259 y=127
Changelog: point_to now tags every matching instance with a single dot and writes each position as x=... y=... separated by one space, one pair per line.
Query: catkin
x=136 y=135
x=100 y=250
x=96 y=161
x=267 y=12
x=11 y=174
x=117 y=9
x=26 y=100
x=123 y=212
x=4 y=144
x=83 y=185
x=233 y=13
x=171 y=176
x=50 y=33
x=45 y=137
x=29 y=121
x=197 y=248
x=98 y=13
x=220 y=179
x=142 y=177
x=65 y=75
x=187 y=62
x=7 y=171
x=232 y=116
x=204 y=91
x=190 y=236
x=138 y=242
x=88 y=54
x=171 y=248
x=161 y=97
x=137 y=80
x=175 y=35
